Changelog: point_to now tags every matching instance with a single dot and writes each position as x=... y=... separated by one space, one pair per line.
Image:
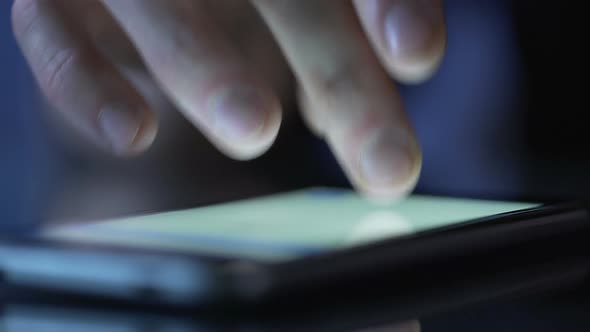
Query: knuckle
x=337 y=82
x=54 y=70
x=25 y=14
x=51 y=64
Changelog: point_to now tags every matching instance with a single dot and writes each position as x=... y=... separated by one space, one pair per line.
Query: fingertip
x=389 y=166
x=128 y=131
x=415 y=38
x=417 y=69
x=245 y=121
x=387 y=194
x=146 y=134
x=408 y=35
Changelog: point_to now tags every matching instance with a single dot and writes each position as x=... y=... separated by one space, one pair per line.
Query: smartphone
x=311 y=243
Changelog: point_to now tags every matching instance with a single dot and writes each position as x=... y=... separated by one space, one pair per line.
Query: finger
x=77 y=80
x=205 y=76
x=363 y=118
x=409 y=35
x=98 y=25
x=313 y=117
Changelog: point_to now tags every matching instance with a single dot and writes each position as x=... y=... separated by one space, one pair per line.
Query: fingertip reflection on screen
x=379 y=224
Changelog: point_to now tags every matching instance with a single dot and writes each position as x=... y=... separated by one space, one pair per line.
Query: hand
x=219 y=63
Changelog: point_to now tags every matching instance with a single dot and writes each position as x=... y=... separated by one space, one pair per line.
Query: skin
x=228 y=66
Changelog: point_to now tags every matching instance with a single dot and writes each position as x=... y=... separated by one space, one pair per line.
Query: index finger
x=363 y=118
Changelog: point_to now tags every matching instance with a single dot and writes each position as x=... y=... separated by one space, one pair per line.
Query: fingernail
x=239 y=113
x=410 y=26
x=387 y=160
x=120 y=126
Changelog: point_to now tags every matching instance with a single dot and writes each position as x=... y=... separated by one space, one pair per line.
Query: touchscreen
x=283 y=226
